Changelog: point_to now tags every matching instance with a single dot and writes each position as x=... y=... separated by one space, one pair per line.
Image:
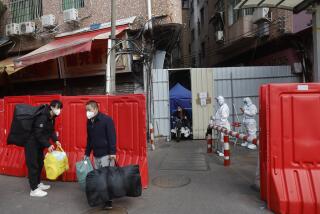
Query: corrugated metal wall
x=201 y=81
x=161 y=113
x=236 y=83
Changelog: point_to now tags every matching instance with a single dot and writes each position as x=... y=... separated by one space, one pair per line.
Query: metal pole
x=149 y=5
x=226 y=150
x=149 y=25
x=147 y=68
x=316 y=42
x=232 y=97
x=108 y=69
x=111 y=76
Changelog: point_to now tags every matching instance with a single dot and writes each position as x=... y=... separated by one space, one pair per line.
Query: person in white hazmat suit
x=221 y=119
x=249 y=110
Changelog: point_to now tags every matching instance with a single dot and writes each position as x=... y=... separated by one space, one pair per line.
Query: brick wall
x=96 y=11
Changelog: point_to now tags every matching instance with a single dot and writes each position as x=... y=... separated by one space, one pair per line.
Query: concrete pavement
x=212 y=188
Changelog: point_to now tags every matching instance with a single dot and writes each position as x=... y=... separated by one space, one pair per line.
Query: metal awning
x=283 y=4
x=64 y=46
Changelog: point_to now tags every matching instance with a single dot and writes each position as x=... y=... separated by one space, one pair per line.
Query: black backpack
x=22 y=122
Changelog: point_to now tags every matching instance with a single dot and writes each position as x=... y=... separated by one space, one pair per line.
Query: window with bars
x=24 y=10
x=68 y=4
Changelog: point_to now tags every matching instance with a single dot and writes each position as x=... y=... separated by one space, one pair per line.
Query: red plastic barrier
x=1 y=122
x=12 y=160
x=263 y=141
x=128 y=113
x=129 y=116
x=2 y=135
x=74 y=135
x=292 y=141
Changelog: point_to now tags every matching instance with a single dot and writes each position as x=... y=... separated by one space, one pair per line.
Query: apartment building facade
x=220 y=35
x=32 y=24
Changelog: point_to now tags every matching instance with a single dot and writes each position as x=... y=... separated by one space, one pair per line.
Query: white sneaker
x=38 y=193
x=43 y=186
x=252 y=146
x=245 y=144
x=221 y=154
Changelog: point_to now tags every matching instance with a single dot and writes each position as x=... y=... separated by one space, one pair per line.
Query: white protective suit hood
x=247 y=101
x=220 y=100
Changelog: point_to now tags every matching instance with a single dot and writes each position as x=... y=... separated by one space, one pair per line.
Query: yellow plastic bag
x=56 y=163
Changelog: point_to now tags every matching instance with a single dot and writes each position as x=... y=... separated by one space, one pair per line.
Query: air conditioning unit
x=48 y=20
x=260 y=14
x=70 y=15
x=219 y=36
x=12 y=29
x=27 y=27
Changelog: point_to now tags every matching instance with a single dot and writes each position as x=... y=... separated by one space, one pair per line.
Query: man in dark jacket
x=101 y=138
x=42 y=132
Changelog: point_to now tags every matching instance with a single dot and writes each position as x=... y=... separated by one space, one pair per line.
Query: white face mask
x=56 y=111
x=90 y=114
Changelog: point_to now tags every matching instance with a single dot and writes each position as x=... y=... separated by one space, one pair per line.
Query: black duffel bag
x=97 y=187
x=124 y=181
x=116 y=183
x=112 y=182
x=132 y=180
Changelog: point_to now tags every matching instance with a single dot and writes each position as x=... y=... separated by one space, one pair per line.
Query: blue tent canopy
x=180 y=96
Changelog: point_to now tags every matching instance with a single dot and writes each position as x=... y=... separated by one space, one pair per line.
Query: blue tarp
x=180 y=96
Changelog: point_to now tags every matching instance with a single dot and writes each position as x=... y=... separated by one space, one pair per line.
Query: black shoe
x=108 y=205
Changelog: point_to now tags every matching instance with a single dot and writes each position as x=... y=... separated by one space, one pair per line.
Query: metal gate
x=161 y=112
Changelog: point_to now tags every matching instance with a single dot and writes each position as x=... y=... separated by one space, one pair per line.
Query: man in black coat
x=42 y=132
x=101 y=138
